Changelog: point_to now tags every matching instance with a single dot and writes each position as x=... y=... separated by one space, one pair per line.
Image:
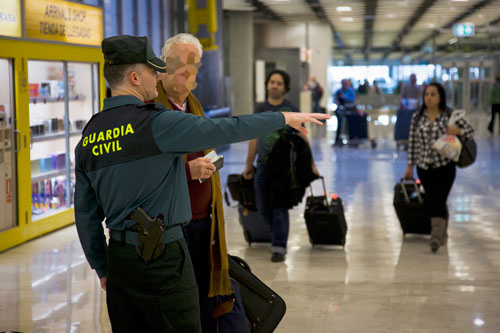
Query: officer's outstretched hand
x=296 y=119
x=103 y=282
x=201 y=168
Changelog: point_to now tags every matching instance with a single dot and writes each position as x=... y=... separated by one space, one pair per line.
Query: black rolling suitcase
x=409 y=205
x=325 y=221
x=263 y=307
x=255 y=229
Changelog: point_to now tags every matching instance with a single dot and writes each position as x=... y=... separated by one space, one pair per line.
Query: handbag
x=241 y=190
x=264 y=308
x=468 y=153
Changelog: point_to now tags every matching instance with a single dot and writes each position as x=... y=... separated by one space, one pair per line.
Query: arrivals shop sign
x=62 y=21
x=10 y=18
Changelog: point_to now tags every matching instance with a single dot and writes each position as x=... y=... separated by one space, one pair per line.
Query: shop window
x=56 y=123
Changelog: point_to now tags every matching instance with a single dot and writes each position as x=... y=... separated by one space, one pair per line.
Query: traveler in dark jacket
x=277 y=85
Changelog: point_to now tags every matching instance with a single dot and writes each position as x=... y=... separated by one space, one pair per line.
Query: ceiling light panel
x=353 y=38
x=414 y=37
x=393 y=18
x=357 y=13
x=485 y=15
x=292 y=10
x=441 y=13
x=237 y=5
x=383 y=38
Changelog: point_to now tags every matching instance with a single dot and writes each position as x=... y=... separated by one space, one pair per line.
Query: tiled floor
x=379 y=282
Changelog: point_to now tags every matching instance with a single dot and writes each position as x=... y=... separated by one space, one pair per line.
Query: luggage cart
x=402 y=128
x=353 y=127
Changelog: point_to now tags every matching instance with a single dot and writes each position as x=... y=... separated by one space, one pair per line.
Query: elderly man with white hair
x=205 y=233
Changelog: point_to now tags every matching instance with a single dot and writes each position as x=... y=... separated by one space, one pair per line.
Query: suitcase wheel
x=247 y=236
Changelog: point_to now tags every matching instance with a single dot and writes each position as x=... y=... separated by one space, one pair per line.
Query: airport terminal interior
x=380 y=280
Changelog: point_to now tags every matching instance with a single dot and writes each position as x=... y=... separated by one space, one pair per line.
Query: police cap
x=125 y=49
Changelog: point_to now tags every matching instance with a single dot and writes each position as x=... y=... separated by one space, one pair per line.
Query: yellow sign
x=204 y=16
x=10 y=18
x=63 y=21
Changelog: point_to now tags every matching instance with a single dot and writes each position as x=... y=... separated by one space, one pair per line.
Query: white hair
x=180 y=39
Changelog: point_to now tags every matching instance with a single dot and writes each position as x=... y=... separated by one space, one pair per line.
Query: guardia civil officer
x=130 y=172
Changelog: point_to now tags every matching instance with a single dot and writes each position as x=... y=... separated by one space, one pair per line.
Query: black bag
x=468 y=153
x=325 y=221
x=409 y=205
x=255 y=229
x=263 y=307
x=241 y=190
x=289 y=166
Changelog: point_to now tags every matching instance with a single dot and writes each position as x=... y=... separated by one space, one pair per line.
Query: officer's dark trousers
x=197 y=234
x=437 y=184
x=159 y=296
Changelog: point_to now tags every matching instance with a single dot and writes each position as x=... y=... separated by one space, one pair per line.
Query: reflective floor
x=379 y=282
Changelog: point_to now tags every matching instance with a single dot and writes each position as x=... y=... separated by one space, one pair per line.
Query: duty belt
x=130 y=237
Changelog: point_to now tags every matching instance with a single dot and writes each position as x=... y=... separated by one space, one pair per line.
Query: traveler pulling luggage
x=409 y=204
x=325 y=221
x=264 y=307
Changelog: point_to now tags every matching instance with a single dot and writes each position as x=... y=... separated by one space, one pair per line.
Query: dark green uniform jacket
x=131 y=155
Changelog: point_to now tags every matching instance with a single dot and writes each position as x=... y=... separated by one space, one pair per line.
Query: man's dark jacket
x=289 y=165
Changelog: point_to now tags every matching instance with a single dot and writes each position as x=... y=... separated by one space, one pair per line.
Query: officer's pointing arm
x=180 y=133
x=295 y=119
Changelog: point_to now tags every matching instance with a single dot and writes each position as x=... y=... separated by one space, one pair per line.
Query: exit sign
x=463 y=30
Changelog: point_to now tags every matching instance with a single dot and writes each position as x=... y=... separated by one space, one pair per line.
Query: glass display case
x=63 y=97
x=8 y=179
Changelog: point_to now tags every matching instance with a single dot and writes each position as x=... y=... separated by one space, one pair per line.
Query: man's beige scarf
x=219 y=269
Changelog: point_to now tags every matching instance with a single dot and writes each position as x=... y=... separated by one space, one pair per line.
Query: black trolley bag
x=325 y=221
x=263 y=307
x=255 y=229
x=409 y=205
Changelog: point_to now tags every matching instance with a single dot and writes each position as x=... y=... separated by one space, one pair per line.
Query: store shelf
x=35 y=100
x=50 y=174
x=54 y=136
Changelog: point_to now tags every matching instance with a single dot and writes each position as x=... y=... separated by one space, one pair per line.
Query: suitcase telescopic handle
x=405 y=193
x=324 y=188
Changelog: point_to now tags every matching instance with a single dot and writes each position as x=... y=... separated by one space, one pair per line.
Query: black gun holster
x=150 y=243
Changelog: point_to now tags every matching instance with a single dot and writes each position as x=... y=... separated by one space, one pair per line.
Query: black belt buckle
x=122 y=236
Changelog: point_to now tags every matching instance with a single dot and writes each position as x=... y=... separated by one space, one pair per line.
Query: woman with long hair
x=436 y=172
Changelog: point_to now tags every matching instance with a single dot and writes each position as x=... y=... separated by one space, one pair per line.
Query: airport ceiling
x=379 y=30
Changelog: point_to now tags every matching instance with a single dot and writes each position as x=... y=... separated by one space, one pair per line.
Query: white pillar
x=241 y=60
